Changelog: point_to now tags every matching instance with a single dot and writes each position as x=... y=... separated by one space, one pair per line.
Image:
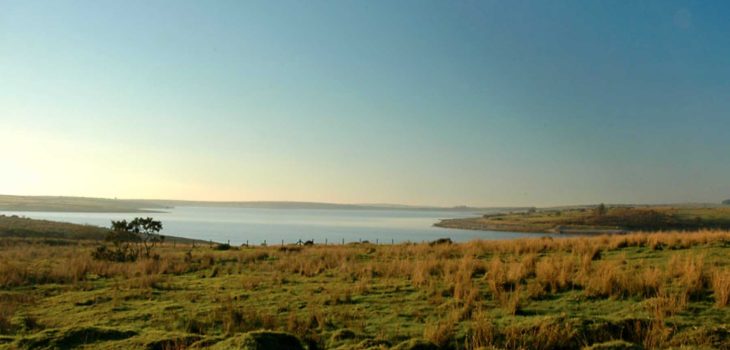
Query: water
x=256 y=225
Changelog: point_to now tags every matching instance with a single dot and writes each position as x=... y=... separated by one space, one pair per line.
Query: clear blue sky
x=417 y=102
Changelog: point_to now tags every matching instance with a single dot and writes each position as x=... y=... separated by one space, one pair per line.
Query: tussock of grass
x=721 y=287
x=482 y=331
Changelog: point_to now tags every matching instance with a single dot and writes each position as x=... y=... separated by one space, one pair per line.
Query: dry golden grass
x=512 y=263
x=667 y=303
x=482 y=331
x=549 y=333
x=440 y=332
x=555 y=272
x=462 y=279
x=721 y=287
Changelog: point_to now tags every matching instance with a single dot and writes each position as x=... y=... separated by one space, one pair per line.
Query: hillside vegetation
x=586 y=220
x=59 y=232
x=15 y=226
x=75 y=204
x=636 y=291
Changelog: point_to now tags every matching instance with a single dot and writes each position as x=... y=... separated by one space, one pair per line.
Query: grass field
x=635 y=291
x=586 y=220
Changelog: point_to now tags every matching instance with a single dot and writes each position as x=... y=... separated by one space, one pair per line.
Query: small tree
x=146 y=232
x=131 y=239
x=601 y=210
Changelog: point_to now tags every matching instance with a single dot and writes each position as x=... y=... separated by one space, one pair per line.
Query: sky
x=483 y=103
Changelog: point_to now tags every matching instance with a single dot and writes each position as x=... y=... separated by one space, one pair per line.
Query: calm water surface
x=257 y=225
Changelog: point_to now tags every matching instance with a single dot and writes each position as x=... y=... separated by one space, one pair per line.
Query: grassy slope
x=534 y=293
x=13 y=226
x=582 y=220
x=21 y=227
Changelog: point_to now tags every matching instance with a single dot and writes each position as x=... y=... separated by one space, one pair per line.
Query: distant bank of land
x=76 y=204
x=599 y=219
x=107 y=205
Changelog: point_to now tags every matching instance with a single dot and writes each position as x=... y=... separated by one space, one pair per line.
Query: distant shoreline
x=473 y=225
x=86 y=211
x=107 y=205
x=598 y=220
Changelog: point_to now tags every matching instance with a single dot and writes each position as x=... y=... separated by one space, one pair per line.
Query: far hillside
x=600 y=219
x=108 y=205
x=76 y=204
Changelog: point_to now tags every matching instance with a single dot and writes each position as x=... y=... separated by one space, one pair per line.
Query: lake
x=256 y=225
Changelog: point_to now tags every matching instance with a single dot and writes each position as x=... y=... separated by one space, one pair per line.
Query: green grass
x=361 y=296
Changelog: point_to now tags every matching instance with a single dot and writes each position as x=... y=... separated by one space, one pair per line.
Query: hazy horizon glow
x=414 y=102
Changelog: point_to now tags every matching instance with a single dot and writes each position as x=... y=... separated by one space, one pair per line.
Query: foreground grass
x=641 y=290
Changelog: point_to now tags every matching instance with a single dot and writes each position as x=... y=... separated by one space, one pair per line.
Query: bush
x=223 y=246
x=440 y=241
x=118 y=254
